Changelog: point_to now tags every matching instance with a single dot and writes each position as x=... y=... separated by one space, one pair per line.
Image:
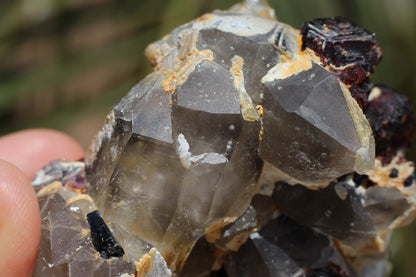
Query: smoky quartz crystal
x=244 y=150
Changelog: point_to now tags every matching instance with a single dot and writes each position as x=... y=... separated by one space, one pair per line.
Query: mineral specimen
x=350 y=51
x=102 y=238
x=67 y=246
x=248 y=133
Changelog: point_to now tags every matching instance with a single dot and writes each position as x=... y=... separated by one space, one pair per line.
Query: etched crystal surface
x=242 y=150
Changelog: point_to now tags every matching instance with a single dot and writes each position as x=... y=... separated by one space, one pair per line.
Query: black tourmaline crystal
x=350 y=51
x=102 y=238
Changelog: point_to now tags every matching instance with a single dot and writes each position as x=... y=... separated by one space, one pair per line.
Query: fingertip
x=31 y=149
x=19 y=222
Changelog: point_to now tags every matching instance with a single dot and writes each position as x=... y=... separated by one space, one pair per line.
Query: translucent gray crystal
x=318 y=142
x=66 y=248
x=384 y=205
x=284 y=248
x=183 y=151
x=259 y=257
x=237 y=151
x=335 y=210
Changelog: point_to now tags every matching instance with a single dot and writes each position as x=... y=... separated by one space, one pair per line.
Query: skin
x=22 y=154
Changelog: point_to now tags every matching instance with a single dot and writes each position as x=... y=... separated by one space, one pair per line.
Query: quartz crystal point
x=247 y=149
x=284 y=248
x=182 y=152
x=346 y=227
x=67 y=248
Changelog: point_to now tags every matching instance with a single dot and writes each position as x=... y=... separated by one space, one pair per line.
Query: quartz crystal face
x=182 y=153
x=246 y=150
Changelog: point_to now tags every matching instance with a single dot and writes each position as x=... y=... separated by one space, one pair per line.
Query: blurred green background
x=64 y=63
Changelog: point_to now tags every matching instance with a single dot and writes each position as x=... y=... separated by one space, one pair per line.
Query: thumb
x=19 y=223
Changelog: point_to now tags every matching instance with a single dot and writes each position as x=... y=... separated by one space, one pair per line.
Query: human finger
x=31 y=149
x=19 y=222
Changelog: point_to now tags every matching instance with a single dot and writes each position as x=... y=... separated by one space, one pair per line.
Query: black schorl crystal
x=102 y=238
x=362 y=180
x=394 y=173
x=351 y=51
x=409 y=180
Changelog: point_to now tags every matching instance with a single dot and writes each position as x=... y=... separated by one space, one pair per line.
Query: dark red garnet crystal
x=391 y=117
x=351 y=51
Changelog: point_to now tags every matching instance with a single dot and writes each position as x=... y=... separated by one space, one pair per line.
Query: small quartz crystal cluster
x=252 y=149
